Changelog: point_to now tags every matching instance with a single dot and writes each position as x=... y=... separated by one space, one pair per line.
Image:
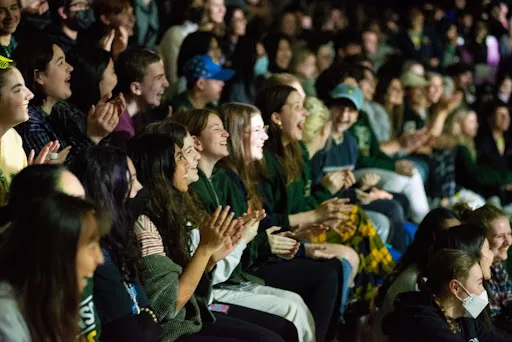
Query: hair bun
x=463 y=211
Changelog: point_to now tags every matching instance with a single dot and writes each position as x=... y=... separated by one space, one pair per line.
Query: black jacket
x=417 y=318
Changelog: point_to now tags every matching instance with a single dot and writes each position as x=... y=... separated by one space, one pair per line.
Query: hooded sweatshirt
x=417 y=318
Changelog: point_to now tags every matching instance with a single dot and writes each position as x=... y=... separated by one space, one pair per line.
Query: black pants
x=317 y=282
x=231 y=329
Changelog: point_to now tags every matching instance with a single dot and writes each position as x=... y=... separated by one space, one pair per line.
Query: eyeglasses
x=260 y=130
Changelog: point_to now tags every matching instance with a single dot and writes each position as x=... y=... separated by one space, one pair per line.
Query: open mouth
x=224 y=143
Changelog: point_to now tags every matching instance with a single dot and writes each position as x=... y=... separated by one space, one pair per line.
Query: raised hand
x=43 y=156
x=103 y=118
x=230 y=243
x=120 y=41
x=251 y=224
x=216 y=229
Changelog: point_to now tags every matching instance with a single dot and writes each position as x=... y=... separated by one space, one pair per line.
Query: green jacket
x=298 y=196
x=370 y=154
x=161 y=278
x=226 y=188
x=478 y=177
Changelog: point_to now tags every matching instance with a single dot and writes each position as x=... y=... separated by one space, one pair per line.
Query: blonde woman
x=482 y=179
x=377 y=204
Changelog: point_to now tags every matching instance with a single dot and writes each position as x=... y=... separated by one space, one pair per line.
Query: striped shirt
x=66 y=124
x=148 y=236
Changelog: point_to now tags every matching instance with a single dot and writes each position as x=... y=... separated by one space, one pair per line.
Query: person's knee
x=344 y=252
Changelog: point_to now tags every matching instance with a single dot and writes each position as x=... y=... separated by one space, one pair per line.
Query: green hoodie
x=298 y=196
x=222 y=189
x=370 y=154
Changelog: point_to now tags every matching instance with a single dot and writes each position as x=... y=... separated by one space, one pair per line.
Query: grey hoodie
x=13 y=327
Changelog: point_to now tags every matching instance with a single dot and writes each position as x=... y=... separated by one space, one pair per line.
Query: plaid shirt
x=499 y=290
x=66 y=124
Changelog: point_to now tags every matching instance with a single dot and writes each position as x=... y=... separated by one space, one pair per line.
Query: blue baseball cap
x=202 y=66
x=349 y=92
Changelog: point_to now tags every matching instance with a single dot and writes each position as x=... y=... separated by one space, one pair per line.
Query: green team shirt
x=89 y=322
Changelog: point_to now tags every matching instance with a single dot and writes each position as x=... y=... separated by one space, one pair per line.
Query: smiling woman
x=10 y=14
x=14 y=99
x=70 y=229
x=497 y=227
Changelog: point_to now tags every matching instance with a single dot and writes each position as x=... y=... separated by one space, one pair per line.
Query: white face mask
x=504 y=97
x=474 y=304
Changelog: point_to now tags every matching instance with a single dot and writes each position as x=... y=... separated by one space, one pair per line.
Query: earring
x=280 y=124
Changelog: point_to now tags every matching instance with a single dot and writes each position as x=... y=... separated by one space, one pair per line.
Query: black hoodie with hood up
x=417 y=318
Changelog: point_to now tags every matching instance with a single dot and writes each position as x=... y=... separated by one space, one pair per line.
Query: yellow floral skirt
x=375 y=260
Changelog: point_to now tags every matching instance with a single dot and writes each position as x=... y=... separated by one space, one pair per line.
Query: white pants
x=411 y=187
x=286 y=304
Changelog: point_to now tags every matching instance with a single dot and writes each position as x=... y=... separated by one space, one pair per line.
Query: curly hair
x=153 y=157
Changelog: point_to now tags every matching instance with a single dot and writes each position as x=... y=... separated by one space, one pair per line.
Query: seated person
x=205 y=80
x=141 y=79
x=175 y=281
x=444 y=311
x=497 y=228
x=109 y=179
x=37 y=181
x=51 y=118
x=8 y=27
x=69 y=18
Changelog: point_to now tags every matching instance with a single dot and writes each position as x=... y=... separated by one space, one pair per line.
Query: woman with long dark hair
x=47 y=74
x=250 y=62
x=279 y=51
x=36 y=182
x=173 y=278
x=43 y=276
x=235 y=23
x=110 y=180
x=414 y=260
x=93 y=78
x=196 y=43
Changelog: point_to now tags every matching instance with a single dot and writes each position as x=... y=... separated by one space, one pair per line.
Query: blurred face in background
x=435 y=89
x=370 y=42
x=238 y=23
x=289 y=24
x=324 y=57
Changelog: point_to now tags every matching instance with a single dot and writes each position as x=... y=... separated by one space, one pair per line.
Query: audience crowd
x=255 y=170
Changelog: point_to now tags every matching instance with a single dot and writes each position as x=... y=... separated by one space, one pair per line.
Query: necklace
x=136 y=309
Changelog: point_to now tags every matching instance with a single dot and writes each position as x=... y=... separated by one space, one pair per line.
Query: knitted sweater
x=161 y=279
